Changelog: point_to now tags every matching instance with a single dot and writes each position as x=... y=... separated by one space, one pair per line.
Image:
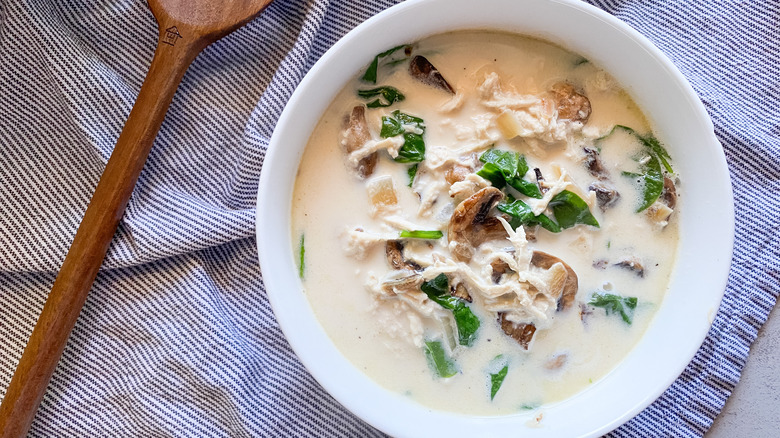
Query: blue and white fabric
x=177 y=337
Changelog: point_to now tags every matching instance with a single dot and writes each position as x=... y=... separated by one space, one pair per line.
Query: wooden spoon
x=185 y=28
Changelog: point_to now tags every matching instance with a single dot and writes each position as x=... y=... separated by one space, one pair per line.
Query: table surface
x=752 y=409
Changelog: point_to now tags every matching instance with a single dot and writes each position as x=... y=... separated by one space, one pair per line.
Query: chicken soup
x=484 y=222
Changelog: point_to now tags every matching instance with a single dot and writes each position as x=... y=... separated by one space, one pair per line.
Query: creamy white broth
x=330 y=199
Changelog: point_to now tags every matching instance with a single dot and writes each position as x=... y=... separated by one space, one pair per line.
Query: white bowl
x=706 y=223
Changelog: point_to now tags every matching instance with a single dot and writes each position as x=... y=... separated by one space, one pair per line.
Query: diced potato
x=659 y=213
x=381 y=194
x=508 y=125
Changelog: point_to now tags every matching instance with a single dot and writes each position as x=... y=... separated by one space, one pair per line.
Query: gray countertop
x=753 y=410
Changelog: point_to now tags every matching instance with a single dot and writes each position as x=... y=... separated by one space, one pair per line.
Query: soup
x=484 y=222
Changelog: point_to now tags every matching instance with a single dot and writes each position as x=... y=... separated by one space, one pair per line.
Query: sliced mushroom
x=632 y=264
x=470 y=224
x=556 y=362
x=460 y=291
x=456 y=173
x=669 y=194
x=356 y=134
x=571 y=284
x=606 y=194
x=500 y=268
x=401 y=280
x=394 y=250
x=530 y=232
x=540 y=180
x=585 y=312
x=522 y=333
x=571 y=104
x=594 y=164
x=422 y=69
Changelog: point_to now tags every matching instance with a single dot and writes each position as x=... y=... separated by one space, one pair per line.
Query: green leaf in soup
x=386 y=96
x=413 y=149
x=412 y=172
x=496 y=380
x=391 y=127
x=493 y=174
x=420 y=234
x=439 y=360
x=506 y=161
x=396 y=124
x=371 y=72
x=467 y=324
x=650 y=181
x=438 y=291
x=522 y=214
x=528 y=188
x=507 y=167
x=649 y=141
x=569 y=210
x=438 y=287
x=612 y=303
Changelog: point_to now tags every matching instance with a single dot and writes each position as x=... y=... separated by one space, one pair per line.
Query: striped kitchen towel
x=177 y=337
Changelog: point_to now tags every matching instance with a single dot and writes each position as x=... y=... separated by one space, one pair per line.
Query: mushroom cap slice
x=522 y=333
x=594 y=164
x=460 y=291
x=422 y=70
x=406 y=280
x=470 y=224
x=356 y=134
x=571 y=283
x=669 y=194
x=571 y=104
x=606 y=194
x=632 y=264
x=394 y=250
x=456 y=173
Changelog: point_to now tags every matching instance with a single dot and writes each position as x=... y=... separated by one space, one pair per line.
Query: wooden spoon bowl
x=185 y=29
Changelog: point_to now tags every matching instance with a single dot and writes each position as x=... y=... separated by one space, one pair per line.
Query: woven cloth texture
x=177 y=337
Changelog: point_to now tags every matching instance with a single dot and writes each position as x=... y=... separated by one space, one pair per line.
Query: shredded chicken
x=484 y=258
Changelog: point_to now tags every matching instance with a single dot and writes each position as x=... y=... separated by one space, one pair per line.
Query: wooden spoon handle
x=94 y=235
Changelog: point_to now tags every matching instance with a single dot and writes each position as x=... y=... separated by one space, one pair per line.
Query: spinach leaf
x=492 y=173
x=439 y=286
x=413 y=150
x=507 y=167
x=301 y=265
x=394 y=124
x=528 y=188
x=522 y=215
x=649 y=141
x=371 y=71
x=390 y=95
x=615 y=304
x=651 y=181
x=438 y=359
x=420 y=234
x=412 y=172
x=507 y=162
x=496 y=380
x=438 y=290
x=467 y=324
x=569 y=210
